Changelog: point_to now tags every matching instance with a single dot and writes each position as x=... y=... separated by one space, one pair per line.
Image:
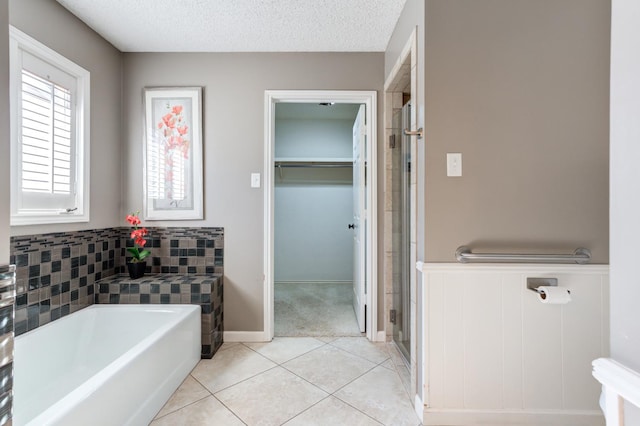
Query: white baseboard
x=418 y=407
x=245 y=336
x=381 y=336
x=443 y=417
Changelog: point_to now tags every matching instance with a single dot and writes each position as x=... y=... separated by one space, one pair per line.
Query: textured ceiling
x=241 y=25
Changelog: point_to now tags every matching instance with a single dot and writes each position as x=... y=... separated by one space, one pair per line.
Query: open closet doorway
x=316 y=239
x=319 y=200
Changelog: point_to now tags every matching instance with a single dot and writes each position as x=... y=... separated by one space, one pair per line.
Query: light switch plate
x=255 y=180
x=454 y=164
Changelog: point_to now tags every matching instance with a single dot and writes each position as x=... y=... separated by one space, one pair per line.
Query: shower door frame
x=369 y=99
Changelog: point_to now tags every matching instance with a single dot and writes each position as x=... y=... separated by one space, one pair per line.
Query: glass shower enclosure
x=401 y=219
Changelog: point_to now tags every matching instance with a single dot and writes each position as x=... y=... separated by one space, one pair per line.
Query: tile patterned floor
x=314 y=309
x=295 y=381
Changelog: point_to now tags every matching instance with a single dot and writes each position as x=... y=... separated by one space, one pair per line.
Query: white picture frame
x=172 y=172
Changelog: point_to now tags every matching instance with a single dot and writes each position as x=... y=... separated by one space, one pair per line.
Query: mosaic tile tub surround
x=7 y=292
x=56 y=273
x=180 y=250
x=197 y=289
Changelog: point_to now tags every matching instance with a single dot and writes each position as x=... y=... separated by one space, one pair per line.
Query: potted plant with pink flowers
x=137 y=264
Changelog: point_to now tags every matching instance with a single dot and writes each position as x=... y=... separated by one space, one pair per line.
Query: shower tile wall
x=56 y=273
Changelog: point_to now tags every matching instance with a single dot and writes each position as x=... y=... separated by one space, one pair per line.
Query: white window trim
x=20 y=41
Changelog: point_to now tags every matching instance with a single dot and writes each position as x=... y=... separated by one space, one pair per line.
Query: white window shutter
x=50 y=107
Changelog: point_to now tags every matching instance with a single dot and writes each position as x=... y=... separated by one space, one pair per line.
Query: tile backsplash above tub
x=56 y=273
x=181 y=250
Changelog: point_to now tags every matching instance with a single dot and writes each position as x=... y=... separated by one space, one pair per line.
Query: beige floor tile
x=405 y=377
x=314 y=309
x=396 y=357
x=326 y=339
x=328 y=367
x=189 y=392
x=260 y=392
x=360 y=346
x=226 y=345
x=229 y=367
x=332 y=411
x=380 y=394
x=282 y=349
x=388 y=364
x=270 y=398
x=207 y=411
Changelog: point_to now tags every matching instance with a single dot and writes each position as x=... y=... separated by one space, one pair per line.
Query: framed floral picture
x=173 y=188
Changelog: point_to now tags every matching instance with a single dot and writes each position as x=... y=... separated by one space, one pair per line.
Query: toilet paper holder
x=534 y=283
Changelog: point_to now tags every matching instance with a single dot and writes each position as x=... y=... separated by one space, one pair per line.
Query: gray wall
x=625 y=180
x=234 y=86
x=54 y=26
x=313 y=138
x=4 y=132
x=520 y=88
x=312 y=207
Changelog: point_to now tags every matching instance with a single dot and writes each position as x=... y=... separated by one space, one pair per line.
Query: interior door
x=359 y=218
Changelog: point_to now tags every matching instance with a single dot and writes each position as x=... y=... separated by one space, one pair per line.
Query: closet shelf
x=314 y=160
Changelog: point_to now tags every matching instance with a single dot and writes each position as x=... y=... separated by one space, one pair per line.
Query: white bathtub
x=104 y=365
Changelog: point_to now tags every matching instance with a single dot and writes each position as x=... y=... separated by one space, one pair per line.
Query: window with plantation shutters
x=46 y=115
x=49 y=130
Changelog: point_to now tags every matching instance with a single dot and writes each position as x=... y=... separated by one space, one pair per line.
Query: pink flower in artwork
x=169 y=121
x=174 y=142
x=173 y=131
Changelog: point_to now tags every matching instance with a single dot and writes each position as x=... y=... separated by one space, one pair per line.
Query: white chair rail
x=619 y=384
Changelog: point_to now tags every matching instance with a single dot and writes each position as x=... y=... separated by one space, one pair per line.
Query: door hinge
x=392 y=316
x=392 y=141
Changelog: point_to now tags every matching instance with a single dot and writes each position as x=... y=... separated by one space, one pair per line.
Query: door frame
x=369 y=98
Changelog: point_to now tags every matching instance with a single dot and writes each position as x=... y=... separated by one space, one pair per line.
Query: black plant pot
x=136 y=269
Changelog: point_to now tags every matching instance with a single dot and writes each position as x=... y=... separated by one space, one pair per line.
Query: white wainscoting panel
x=493 y=348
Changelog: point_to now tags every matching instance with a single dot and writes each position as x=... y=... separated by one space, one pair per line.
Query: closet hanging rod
x=580 y=256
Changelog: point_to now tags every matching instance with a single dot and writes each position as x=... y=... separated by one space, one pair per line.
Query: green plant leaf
x=134 y=252
x=144 y=254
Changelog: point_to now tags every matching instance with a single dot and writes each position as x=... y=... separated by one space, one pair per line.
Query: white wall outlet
x=454 y=164
x=255 y=180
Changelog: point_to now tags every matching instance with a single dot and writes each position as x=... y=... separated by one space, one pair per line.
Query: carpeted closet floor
x=314 y=309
